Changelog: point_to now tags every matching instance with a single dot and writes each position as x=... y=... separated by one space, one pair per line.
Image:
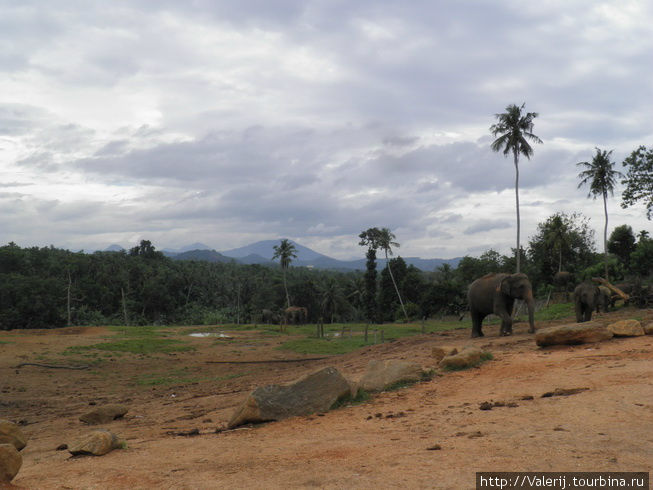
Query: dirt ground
x=386 y=442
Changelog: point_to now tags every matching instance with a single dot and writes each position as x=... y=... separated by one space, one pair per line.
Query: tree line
x=50 y=287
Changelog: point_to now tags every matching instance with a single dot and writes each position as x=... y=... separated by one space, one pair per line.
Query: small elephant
x=496 y=293
x=562 y=279
x=605 y=300
x=296 y=315
x=586 y=299
x=269 y=316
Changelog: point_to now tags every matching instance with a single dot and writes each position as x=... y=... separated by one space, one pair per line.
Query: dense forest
x=50 y=287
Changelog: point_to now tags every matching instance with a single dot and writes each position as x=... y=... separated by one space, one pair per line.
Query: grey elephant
x=296 y=315
x=586 y=299
x=605 y=300
x=270 y=316
x=496 y=293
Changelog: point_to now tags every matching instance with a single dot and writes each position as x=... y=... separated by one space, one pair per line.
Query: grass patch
x=178 y=377
x=555 y=312
x=135 y=346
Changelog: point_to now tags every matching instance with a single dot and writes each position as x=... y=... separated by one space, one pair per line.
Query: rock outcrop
x=626 y=328
x=466 y=358
x=383 y=374
x=97 y=443
x=104 y=414
x=10 y=433
x=10 y=462
x=314 y=393
x=572 y=334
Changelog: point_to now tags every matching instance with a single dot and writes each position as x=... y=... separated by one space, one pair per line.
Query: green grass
x=361 y=397
x=179 y=377
x=136 y=346
x=555 y=312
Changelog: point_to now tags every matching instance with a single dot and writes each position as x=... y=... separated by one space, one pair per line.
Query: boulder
x=648 y=329
x=97 y=443
x=382 y=374
x=10 y=462
x=466 y=358
x=572 y=334
x=440 y=352
x=10 y=433
x=626 y=328
x=316 y=392
x=104 y=414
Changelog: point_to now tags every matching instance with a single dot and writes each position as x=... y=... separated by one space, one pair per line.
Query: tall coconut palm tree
x=514 y=129
x=601 y=177
x=385 y=240
x=285 y=252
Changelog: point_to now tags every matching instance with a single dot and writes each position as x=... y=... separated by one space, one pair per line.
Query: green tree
x=601 y=177
x=639 y=180
x=514 y=130
x=622 y=243
x=386 y=242
x=285 y=252
x=370 y=239
x=642 y=258
x=556 y=236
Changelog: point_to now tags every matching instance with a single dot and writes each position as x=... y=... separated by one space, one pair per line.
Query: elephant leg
x=506 y=324
x=477 y=323
x=579 y=312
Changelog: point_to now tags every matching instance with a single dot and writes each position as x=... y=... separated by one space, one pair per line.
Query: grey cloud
x=486 y=226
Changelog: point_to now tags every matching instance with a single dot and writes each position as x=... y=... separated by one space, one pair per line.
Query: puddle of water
x=211 y=334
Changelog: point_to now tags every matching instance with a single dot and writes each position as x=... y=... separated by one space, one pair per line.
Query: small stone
x=468 y=357
x=434 y=447
x=648 y=329
x=440 y=352
x=626 y=328
x=512 y=405
x=10 y=462
x=62 y=447
x=486 y=406
x=527 y=397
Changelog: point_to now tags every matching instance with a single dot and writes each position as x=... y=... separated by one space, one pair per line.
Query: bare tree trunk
x=516 y=159
x=124 y=306
x=68 y=298
x=605 y=235
x=285 y=287
x=395 y=285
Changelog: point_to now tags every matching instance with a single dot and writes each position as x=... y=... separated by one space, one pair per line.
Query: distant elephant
x=586 y=299
x=605 y=300
x=269 y=316
x=296 y=315
x=496 y=293
x=562 y=279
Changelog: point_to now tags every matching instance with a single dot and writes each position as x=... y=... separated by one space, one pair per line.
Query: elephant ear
x=505 y=286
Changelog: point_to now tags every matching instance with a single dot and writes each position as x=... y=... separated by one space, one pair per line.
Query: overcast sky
x=228 y=122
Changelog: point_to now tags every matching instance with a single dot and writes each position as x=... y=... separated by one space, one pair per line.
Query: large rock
x=104 y=414
x=626 y=328
x=648 y=329
x=466 y=358
x=97 y=443
x=10 y=462
x=572 y=334
x=383 y=374
x=10 y=433
x=314 y=393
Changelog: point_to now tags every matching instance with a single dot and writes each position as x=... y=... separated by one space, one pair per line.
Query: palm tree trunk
x=516 y=159
x=605 y=235
x=560 y=259
x=395 y=285
x=285 y=287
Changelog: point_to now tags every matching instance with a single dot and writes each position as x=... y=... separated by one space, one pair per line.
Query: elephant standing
x=496 y=293
x=605 y=299
x=296 y=315
x=563 y=279
x=269 y=316
x=586 y=299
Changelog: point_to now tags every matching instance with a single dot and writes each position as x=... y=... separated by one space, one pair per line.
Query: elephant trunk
x=530 y=304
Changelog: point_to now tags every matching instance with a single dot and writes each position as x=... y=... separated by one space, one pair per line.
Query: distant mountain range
x=263 y=251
